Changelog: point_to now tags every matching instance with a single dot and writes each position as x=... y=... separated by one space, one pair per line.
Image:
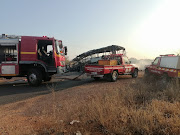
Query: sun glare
x=162 y=29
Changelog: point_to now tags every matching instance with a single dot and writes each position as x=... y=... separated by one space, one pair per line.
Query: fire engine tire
x=97 y=78
x=135 y=73
x=114 y=76
x=34 y=77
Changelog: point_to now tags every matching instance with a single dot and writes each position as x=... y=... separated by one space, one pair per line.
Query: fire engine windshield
x=59 y=47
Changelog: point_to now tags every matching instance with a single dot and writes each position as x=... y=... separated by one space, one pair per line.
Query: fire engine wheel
x=114 y=76
x=135 y=73
x=34 y=77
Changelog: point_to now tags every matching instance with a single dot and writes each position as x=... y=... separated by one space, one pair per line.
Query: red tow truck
x=165 y=66
x=36 y=58
x=110 y=67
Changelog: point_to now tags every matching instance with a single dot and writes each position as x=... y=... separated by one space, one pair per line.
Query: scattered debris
x=78 y=133
x=61 y=121
x=74 y=121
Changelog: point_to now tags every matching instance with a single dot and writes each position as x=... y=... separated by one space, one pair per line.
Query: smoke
x=141 y=63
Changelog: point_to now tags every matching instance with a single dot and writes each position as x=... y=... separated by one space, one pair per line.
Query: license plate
x=93 y=73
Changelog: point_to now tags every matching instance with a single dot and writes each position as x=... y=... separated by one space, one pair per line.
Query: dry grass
x=136 y=110
x=140 y=107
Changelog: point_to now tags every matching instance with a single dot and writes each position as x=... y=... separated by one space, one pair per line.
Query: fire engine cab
x=36 y=58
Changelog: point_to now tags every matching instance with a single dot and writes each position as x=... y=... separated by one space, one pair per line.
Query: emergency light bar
x=167 y=55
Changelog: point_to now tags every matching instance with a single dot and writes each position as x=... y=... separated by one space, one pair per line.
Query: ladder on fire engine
x=4 y=36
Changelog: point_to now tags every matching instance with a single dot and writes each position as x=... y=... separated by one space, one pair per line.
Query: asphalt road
x=18 y=90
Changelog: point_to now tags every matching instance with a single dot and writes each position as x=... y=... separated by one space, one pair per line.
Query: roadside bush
x=137 y=109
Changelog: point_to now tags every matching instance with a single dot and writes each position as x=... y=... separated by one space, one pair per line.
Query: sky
x=146 y=28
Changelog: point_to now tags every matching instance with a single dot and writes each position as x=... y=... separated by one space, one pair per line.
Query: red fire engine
x=165 y=66
x=37 y=58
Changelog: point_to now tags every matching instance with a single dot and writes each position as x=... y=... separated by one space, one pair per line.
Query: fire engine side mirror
x=65 y=49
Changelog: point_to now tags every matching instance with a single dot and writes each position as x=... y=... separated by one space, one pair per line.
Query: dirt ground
x=40 y=113
x=14 y=79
